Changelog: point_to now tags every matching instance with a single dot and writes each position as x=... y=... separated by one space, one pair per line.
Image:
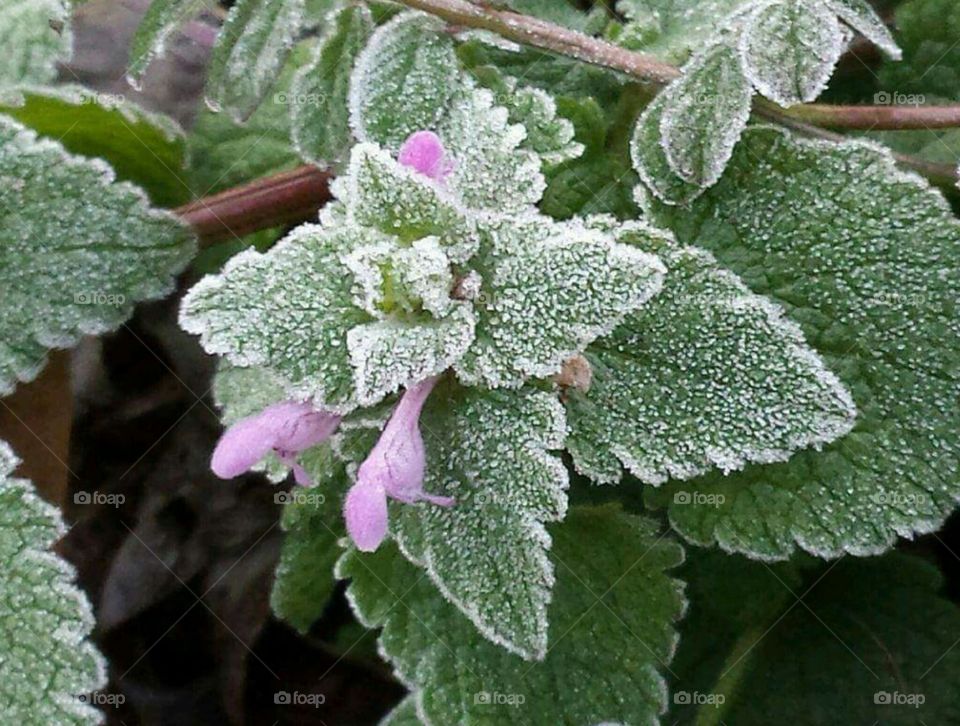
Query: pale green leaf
x=77 y=250
x=929 y=31
x=321 y=125
x=860 y=16
x=491 y=451
x=548 y=290
x=34 y=35
x=705 y=375
x=250 y=52
x=405 y=714
x=865 y=259
x=611 y=631
x=673 y=29
x=162 y=19
x=790 y=49
x=49 y=666
x=878 y=630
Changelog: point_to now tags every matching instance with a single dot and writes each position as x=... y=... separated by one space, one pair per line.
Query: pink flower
x=424 y=152
x=287 y=428
x=394 y=468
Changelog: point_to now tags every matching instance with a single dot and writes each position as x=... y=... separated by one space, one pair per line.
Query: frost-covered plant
x=534 y=278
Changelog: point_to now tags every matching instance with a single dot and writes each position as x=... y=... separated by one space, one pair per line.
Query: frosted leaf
x=600 y=551
x=549 y=290
x=492 y=170
x=404 y=714
x=865 y=260
x=389 y=354
x=404 y=81
x=162 y=19
x=672 y=29
x=49 y=665
x=321 y=124
x=107 y=127
x=77 y=250
x=561 y=12
x=250 y=52
x=549 y=135
x=704 y=114
x=705 y=375
x=860 y=16
x=34 y=35
x=242 y=392
x=650 y=159
x=397 y=200
x=790 y=49
x=288 y=310
x=490 y=450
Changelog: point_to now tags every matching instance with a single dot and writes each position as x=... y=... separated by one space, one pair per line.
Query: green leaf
x=144 y=148
x=250 y=52
x=864 y=258
x=34 y=35
x=404 y=714
x=673 y=29
x=611 y=630
x=704 y=114
x=49 y=666
x=878 y=626
x=705 y=375
x=487 y=554
x=548 y=290
x=929 y=31
x=861 y=16
x=77 y=250
x=790 y=49
x=321 y=125
x=561 y=12
x=313 y=523
x=161 y=20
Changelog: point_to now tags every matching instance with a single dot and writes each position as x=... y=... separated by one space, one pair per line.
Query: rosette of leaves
x=785 y=50
x=406 y=277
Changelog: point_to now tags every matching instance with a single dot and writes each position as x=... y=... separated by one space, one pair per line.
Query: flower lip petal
x=424 y=152
x=365 y=512
x=242 y=446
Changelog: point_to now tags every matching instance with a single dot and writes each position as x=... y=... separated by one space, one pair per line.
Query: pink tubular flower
x=287 y=428
x=424 y=152
x=394 y=468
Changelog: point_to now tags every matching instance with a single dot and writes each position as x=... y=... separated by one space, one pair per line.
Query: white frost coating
x=709 y=375
x=488 y=554
x=78 y=262
x=387 y=355
x=549 y=135
x=790 y=49
x=31 y=45
x=860 y=16
x=553 y=288
x=48 y=660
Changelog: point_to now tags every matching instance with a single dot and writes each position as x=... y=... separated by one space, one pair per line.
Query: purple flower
x=394 y=468
x=287 y=428
x=425 y=153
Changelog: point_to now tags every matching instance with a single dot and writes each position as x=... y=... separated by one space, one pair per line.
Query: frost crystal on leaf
x=48 y=663
x=706 y=375
x=34 y=35
x=582 y=679
x=78 y=250
x=489 y=450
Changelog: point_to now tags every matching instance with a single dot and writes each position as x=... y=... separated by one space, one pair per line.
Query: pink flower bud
x=424 y=152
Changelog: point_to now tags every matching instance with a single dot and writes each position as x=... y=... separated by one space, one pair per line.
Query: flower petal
x=242 y=446
x=365 y=511
x=424 y=152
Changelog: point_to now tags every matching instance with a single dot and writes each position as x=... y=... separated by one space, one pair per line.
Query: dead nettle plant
x=587 y=288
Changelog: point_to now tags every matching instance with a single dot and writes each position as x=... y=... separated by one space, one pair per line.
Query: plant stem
x=647 y=69
x=285 y=198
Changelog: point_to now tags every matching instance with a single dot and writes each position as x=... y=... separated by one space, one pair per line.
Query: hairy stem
x=285 y=198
